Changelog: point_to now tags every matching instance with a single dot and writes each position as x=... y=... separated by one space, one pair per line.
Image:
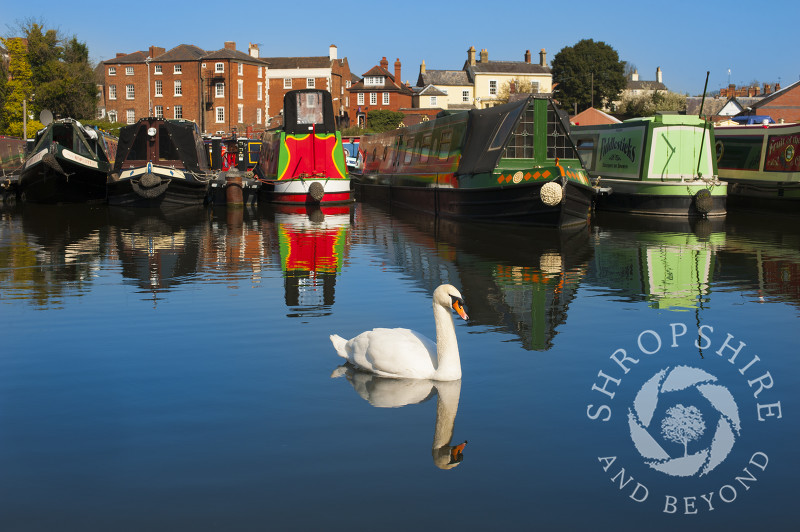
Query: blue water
x=174 y=372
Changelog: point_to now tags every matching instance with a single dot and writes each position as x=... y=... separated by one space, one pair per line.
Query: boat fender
x=551 y=193
x=50 y=160
x=316 y=191
x=703 y=201
x=149 y=186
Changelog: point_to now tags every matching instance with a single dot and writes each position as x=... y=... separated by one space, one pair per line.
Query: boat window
x=385 y=151
x=410 y=151
x=521 y=144
x=253 y=150
x=309 y=107
x=501 y=135
x=444 y=147
x=138 y=151
x=167 y=151
x=559 y=144
x=739 y=153
x=63 y=135
x=425 y=149
x=374 y=153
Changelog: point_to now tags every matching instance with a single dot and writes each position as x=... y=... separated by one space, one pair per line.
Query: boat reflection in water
x=517 y=279
x=159 y=249
x=313 y=243
x=383 y=392
x=668 y=262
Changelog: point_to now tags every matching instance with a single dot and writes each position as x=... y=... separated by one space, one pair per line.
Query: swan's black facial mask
x=458 y=306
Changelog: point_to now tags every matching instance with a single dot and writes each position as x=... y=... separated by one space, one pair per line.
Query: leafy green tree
x=18 y=89
x=588 y=73
x=383 y=120
x=522 y=87
x=650 y=104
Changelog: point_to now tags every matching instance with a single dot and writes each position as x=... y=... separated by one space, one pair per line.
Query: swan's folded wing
x=393 y=353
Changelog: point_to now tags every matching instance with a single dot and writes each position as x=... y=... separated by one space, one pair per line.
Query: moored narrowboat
x=659 y=165
x=511 y=163
x=69 y=163
x=12 y=157
x=761 y=163
x=160 y=163
x=303 y=161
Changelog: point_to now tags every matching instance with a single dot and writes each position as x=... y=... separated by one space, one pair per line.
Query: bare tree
x=682 y=425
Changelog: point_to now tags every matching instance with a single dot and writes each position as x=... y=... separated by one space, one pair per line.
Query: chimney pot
x=542 y=58
x=230 y=45
x=527 y=56
x=397 y=70
x=471 y=55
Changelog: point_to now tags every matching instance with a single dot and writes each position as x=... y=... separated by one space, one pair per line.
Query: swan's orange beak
x=458 y=306
x=457 y=453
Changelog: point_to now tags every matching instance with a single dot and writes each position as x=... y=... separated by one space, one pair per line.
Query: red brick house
x=220 y=91
x=783 y=105
x=322 y=72
x=379 y=89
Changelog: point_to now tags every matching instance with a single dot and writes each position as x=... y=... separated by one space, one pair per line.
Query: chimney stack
x=658 y=74
x=252 y=49
x=471 y=56
x=333 y=52
x=422 y=67
x=542 y=58
x=397 y=70
x=384 y=64
x=484 y=56
x=635 y=75
x=528 y=56
x=155 y=51
x=230 y=45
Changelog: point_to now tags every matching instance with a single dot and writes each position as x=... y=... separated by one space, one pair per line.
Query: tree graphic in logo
x=683 y=424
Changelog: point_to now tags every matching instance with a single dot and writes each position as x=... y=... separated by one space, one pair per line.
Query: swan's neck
x=449 y=363
x=446 y=408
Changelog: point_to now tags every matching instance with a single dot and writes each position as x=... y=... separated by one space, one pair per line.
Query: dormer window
x=374 y=80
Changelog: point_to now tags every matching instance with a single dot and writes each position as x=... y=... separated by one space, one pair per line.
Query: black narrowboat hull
x=167 y=193
x=54 y=179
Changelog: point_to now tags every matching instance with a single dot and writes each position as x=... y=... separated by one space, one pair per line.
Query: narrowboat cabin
x=303 y=161
x=761 y=163
x=69 y=163
x=511 y=163
x=161 y=163
x=660 y=165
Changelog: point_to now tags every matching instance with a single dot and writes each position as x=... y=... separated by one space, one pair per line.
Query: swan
x=403 y=353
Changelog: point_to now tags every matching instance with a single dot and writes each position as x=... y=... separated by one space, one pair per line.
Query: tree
x=682 y=425
x=18 y=89
x=589 y=73
x=384 y=120
x=520 y=86
x=649 y=104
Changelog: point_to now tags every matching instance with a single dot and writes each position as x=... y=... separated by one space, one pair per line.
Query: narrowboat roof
x=184 y=134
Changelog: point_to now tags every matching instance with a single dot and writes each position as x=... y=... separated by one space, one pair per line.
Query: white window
x=130 y=116
x=374 y=80
x=130 y=94
x=157 y=69
x=219 y=67
x=159 y=111
x=177 y=69
x=112 y=71
x=347 y=84
x=287 y=83
x=385 y=98
x=178 y=110
x=240 y=113
x=493 y=87
x=129 y=71
x=373 y=98
x=220 y=115
x=259 y=71
x=240 y=88
x=464 y=96
x=433 y=101
x=347 y=101
x=178 y=88
x=240 y=68
x=360 y=98
x=260 y=90
x=112 y=92
x=311 y=83
x=112 y=116
x=159 y=88
x=258 y=115
x=220 y=90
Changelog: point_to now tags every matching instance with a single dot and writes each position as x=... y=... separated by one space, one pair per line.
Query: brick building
x=379 y=90
x=320 y=72
x=220 y=91
x=783 y=105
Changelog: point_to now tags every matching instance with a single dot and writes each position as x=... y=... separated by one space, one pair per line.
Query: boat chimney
x=230 y=45
x=397 y=70
x=528 y=56
x=252 y=50
x=658 y=74
x=542 y=58
x=484 y=56
x=333 y=52
x=422 y=67
x=471 y=56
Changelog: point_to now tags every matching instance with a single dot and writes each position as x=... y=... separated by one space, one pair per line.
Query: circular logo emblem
x=672 y=417
x=788 y=154
x=517 y=177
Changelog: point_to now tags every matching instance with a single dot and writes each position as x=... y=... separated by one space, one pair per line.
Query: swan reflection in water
x=386 y=392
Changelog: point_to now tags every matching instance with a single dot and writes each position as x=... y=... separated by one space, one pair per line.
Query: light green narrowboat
x=659 y=165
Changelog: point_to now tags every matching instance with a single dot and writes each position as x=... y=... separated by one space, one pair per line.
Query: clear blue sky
x=684 y=38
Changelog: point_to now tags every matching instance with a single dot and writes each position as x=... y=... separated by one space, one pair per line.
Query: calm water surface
x=174 y=372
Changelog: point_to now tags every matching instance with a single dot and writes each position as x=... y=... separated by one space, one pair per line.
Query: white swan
x=403 y=353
